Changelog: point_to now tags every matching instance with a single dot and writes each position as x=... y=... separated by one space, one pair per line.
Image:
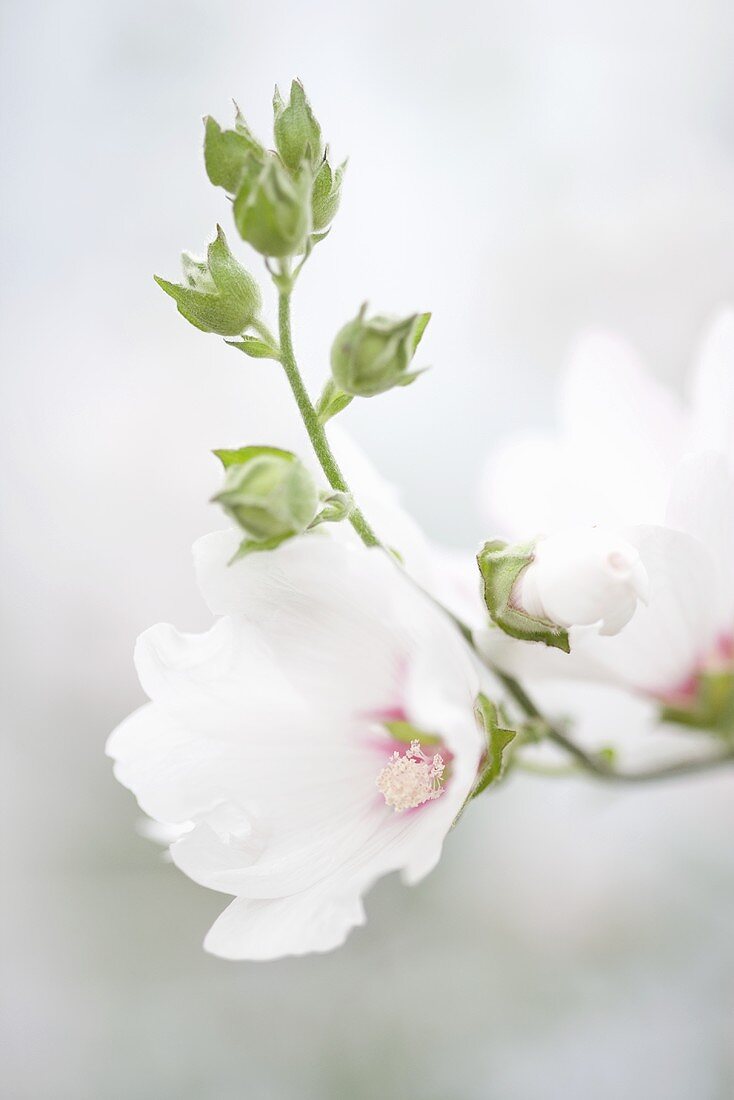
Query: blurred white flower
x=581 y=578
x=328 y=676
x=621 y=438
x=687 y=628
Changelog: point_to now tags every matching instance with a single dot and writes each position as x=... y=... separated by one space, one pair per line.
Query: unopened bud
x=579 y=578
x=372 y=355
x=272 y=211
x=538 y=591
x=218 y=295
x=297 y=133
x=268 y=492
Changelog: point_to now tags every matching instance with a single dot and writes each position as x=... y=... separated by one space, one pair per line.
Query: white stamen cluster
x=411 y=779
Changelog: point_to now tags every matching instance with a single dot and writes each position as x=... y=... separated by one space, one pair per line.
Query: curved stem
x=597 y=765
x=313 y=425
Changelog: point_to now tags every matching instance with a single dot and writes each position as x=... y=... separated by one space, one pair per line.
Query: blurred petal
x=712 y=388
x=622 y=427
x=702 y=504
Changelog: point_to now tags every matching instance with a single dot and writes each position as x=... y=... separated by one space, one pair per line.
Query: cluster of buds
x=283 y=199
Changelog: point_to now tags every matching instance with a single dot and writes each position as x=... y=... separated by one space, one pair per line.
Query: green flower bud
x=269 y=493
x=230 y=154
x=218 y=294
x=370 y=356
x=326 y=194
x=297 y=133
x=273 y=212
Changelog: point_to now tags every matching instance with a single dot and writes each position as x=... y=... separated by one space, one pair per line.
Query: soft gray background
x=523 y=169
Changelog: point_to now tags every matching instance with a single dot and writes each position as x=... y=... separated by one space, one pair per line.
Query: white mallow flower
x=686 y=629
x=628 y=451
x=583 y=577
x=320 y=735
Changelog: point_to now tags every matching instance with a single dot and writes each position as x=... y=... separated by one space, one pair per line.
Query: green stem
x=597 y=765
x=314 y=427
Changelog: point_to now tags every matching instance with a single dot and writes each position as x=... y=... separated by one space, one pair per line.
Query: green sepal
x=336 y=507
x=326 y=194
x=500 y=566
x=238 y=455
x=255 y=348
x=219 y=295
x=230 y=154
x=297 y=132
x=419 y=327
x=497 y=740
x=405 y=732
x=251 y=546
x=332 y=401
x=711 y=707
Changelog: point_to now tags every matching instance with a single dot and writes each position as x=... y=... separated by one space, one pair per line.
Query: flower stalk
x=311 y=422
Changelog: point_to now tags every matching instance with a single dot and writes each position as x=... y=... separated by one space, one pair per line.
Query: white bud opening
x=579 y=578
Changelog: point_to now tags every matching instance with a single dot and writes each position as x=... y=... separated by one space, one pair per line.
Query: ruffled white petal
x=258 y=930
x=174 y=773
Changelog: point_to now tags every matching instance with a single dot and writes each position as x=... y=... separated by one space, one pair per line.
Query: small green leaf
x=256 y=349
x=332 y=401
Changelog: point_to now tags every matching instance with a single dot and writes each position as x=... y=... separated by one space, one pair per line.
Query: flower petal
x=712 y=388
x=258 y=930
x=622 y=427
x=702 y=503
x=174 y=773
